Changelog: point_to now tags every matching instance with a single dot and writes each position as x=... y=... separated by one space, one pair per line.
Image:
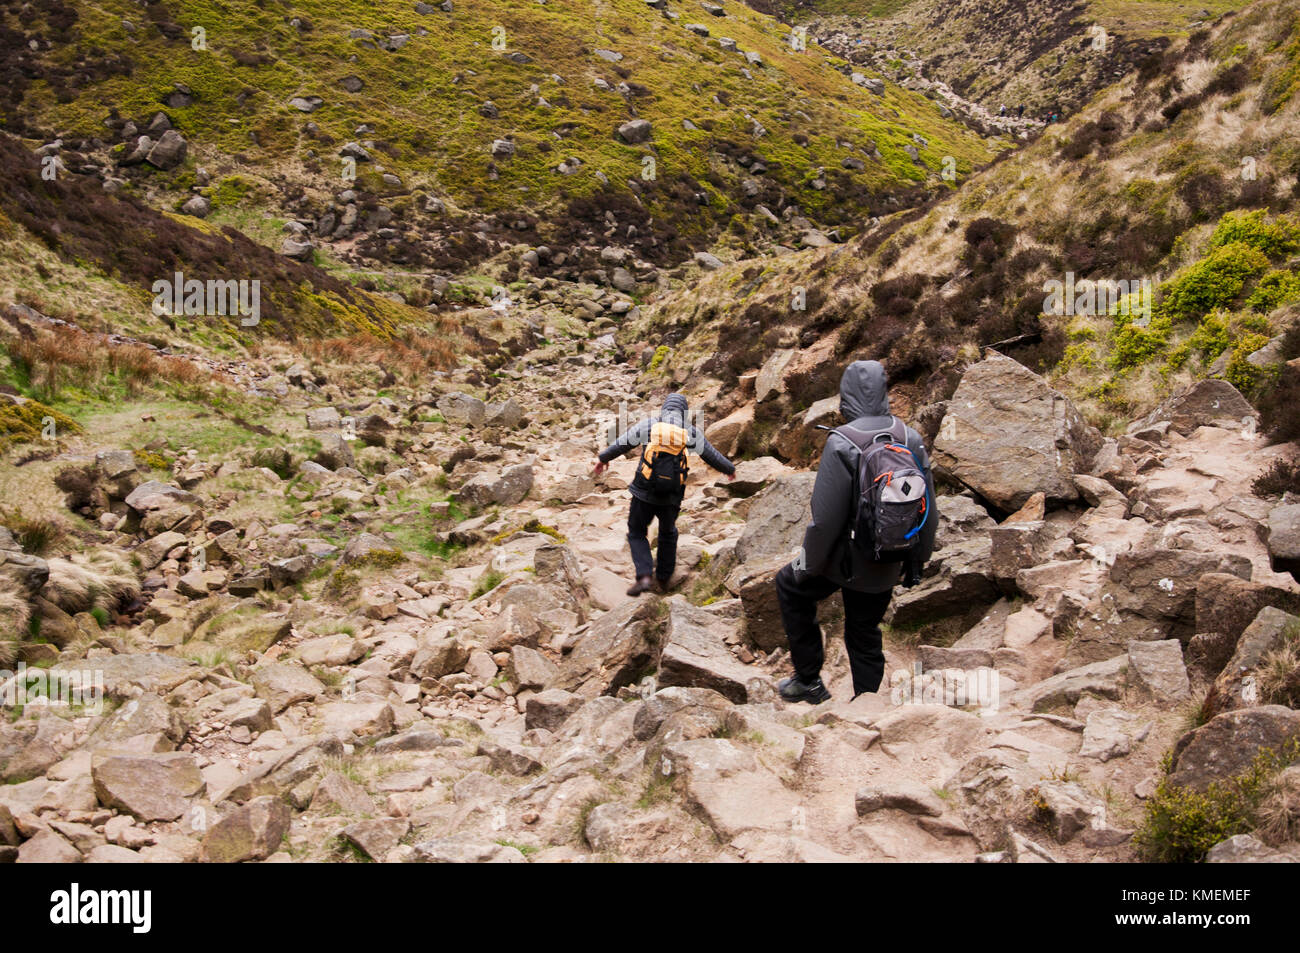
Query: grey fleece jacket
x=674 y=411
x=864 y=402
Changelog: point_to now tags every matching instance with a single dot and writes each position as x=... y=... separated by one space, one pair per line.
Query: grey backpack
x=892 y=501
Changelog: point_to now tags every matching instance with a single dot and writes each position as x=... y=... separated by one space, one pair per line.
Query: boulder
x=460 y=408
x=1228 y=744
x=550 y=709
x=635 y=131
x=1158 y=667
x=1227 y=604
x=507 y=488
x=776 y=518
x=1284 y=538
x=1238 y=684
x=1008 y=435
x=1201 y=404
x=696 y=655
x=252 y=832
x=615 y=651
x=150 y=787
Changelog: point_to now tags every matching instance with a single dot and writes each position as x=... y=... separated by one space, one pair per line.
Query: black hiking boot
x=793 y=690
x=641 y=585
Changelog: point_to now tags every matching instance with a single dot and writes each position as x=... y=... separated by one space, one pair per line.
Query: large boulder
x=696 y=655
x=754 y=583
x=154 y=787
x=617 y=650
x=1203 y=403
x=508 y=487
x=1228 y=744
x=777 y=517
x=1284 y=538
x=1008 y=435
x=1238 y=685
x=251 y=832
x=460 y=408
x=1227 y=603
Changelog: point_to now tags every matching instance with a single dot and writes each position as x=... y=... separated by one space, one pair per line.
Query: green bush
x=1274 y=290
x=1215 y=281
x=1278 y=237
x=1240 y=373
x=1134 y=344
x=1181 y=825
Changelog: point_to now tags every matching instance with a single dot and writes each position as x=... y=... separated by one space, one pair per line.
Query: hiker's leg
x=638 y=523
x=862 y=614
x=667 y=561
x=799 y=616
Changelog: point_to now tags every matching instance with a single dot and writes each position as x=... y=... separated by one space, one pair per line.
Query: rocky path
x=415 y=645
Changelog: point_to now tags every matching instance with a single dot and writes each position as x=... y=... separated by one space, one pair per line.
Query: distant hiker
x=659 y=485
x=873 y=526
x=1020 y=111
x=1002 y=109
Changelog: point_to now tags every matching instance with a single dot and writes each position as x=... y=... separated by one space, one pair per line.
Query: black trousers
x=638 y=527
x=862 y=614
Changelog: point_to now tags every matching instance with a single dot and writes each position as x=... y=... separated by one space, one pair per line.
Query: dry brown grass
x=410 y=356
x=54 y=360
x=1279 y=812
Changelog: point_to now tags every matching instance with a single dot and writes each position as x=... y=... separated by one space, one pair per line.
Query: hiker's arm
x=830 y=512
x=632 y=437
x=710 y=455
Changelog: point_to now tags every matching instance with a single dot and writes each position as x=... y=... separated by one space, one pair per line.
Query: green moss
x=28 y=421
x=660 y=355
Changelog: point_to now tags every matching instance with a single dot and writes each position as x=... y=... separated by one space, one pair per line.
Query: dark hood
x=864 y=391
x=674 y=410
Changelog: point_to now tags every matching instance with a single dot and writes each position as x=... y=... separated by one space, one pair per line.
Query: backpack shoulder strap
x=898 y=430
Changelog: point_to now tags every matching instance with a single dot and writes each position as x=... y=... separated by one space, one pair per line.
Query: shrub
x=24 y=422
x=1279 y=671
x=1213 y=282
x=1275 y=289
x=1135 y=344
x=1240 y=372
x=1279 y=407
x=1278 y=237
x=1181 y=825
x=1281 y=477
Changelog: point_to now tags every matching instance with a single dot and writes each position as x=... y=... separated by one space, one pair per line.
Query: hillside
x=1047 y=57
x=342 y=574
x=485 y=126
x=1164 y=178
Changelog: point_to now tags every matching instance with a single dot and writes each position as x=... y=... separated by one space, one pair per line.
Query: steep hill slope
x=482 y=124
x=1047 y=56
x=1183 y=175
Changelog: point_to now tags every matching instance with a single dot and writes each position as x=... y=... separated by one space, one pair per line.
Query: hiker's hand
x=731 y=477
x=600 y=468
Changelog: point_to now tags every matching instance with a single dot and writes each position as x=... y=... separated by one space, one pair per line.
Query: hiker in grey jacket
x=664 y=505
x=830 y=562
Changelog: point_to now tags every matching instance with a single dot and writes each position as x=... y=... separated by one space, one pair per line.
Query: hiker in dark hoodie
x=659 y=485
x=830 y=561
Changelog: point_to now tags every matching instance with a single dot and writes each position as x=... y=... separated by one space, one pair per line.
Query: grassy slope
x=1143 y=206
x=423 y=100
x=1132 y=17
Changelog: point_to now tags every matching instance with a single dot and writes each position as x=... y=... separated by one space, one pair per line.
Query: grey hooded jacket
x=674 y=411
x=827 y=551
